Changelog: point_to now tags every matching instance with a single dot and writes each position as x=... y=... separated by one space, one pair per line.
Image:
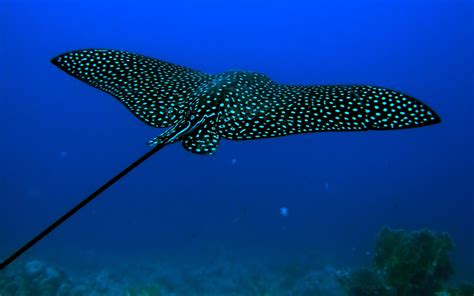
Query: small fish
x=200 y=109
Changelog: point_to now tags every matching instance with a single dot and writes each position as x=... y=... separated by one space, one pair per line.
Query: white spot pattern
x=157 y=92
x=237 y=105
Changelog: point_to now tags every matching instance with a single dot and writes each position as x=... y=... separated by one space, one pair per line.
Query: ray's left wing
x=266 y=109
x=157 y=92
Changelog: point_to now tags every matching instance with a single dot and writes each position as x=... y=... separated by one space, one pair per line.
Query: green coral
x=464 y=289
x=415 y=263
x=407 y=264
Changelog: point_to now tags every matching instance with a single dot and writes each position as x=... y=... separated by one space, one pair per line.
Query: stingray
x=200 y=109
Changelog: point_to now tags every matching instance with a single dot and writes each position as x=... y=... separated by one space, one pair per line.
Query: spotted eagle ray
x=199 y=109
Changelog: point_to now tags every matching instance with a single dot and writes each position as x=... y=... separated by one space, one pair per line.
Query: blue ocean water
x=185 y=214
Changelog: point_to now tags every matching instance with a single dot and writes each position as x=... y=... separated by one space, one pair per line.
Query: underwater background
x=186 y=224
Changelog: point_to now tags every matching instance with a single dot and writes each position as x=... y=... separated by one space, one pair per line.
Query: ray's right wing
x=267 y=109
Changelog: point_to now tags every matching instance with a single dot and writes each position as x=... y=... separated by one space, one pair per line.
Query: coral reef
x=224 y=275
x=318 y=282
x=35 y=278
x=365 y=282
x=415 y=263
x=406 y=264
x=464 y=289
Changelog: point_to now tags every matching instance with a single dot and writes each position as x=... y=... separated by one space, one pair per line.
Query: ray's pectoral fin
x=204 y=137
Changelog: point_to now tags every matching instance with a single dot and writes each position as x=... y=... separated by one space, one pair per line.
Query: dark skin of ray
x=201 y=108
